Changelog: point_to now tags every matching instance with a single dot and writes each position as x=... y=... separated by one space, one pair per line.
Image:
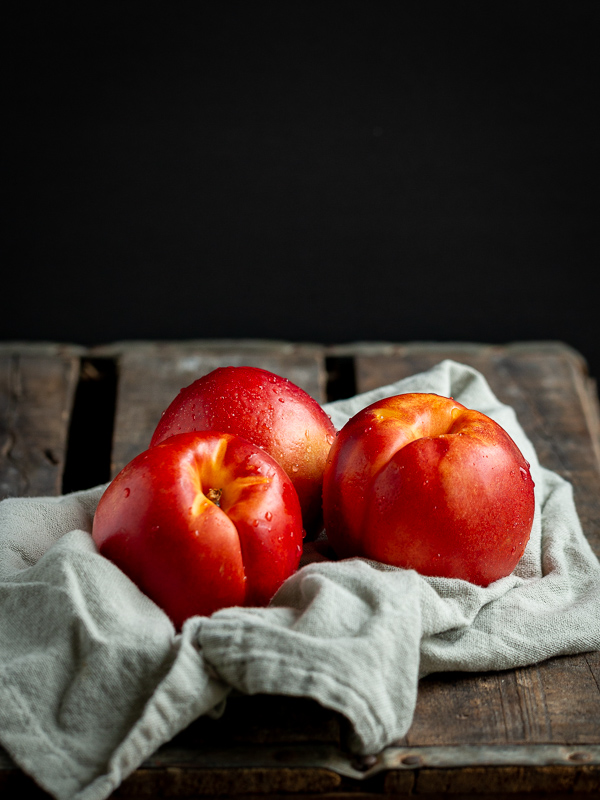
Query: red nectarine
x=420 y=481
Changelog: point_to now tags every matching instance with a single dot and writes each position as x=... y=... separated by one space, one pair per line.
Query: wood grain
x=504 y=781
x=37 y=387
x=192 y=782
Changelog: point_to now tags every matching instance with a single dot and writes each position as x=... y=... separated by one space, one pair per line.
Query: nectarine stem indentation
x=214 y=495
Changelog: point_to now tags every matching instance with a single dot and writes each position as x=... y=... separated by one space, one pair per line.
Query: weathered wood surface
x=37 y=390
x=523 y=732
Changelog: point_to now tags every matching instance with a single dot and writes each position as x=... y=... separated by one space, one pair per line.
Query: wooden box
x=71 y=417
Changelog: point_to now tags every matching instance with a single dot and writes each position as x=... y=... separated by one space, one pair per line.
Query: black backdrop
x=308 y=171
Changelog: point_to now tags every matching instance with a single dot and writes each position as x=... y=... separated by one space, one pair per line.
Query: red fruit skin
x=420 y=481
x=191 y=556
x=267 y=410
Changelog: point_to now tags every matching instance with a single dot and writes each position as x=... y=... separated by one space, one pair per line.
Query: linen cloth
x=94 y=678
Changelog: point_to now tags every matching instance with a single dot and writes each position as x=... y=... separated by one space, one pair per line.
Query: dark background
x=306 y=171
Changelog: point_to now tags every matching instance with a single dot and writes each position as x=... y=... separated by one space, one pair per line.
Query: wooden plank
x=558 y=700
x=37 y=389
x=152 y=373
x=483 y=771
x=555 y=701
x=504 y=781
x=228 y=781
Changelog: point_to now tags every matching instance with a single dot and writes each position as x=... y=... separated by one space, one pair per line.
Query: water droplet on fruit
x=126 y=492
x=155 y=528
x=295 y=468
x=268 y=516
x=523 y=473
x=281 y=400
x=255 y=523
x=513 y=549
x=330 y=438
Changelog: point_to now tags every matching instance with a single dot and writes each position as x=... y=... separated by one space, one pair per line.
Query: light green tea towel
x=93 y=677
